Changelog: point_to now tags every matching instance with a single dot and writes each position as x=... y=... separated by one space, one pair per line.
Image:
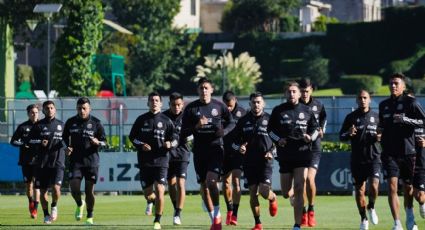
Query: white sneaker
x=176 y=220
x=410 y=220
x=54 y=213
x=422 y=210
x=397 y=227
x=364 y=225
x=47 y=220
x=296 y=228
x=373 y=216
x=148 y=210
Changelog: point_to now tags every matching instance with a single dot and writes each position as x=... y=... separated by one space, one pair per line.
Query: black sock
x=311 y=208
x=46 y=212
x=35 y=204
x=305 y=209
x=54 y=204
x=174 y=204
x=229 y=205
x=371 y=205
x=89 y=213
x=157 y=218
x=235 y=209
x=177 y=211
x=257 y=219
x=29 y=199
x=362 y=213
x=150 y=201
x=79 y=203
x=297 y=226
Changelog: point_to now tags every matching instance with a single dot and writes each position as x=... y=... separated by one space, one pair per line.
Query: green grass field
x=127 y=212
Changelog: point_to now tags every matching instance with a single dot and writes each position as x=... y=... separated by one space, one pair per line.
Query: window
x=193 y=7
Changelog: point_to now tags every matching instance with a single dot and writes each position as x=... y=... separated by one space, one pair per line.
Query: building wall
x=189 y=15
x=355 y=10
x=211 y=14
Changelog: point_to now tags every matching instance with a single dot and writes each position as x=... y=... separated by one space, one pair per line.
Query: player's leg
x=255 y=206
x=300 y=176
x=90 y=199
x=181 y=192
x=227 y=194
x=57 y=178
x=311 y=195
x=373 y=195
x=236 y=194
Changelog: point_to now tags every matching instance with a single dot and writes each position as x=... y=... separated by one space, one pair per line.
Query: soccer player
x=360 y=127
x=27 y=158
x=179 y=158
x=399 y=115
x=83 y=135
x=204 y=118
x=316 y=149
x=254 y=144
x=292 y=128
x=232 y=165
x=419 y=175
x=152 y=135
x=46 y=137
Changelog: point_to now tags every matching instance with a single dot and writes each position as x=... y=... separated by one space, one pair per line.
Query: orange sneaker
x=234 y=220
x=258 y=227
x=229 y=217
x=311 y=219
x=304 y=220
x=273 y=207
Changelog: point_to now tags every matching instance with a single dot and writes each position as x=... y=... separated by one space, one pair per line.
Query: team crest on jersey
x=372 y=119
x=59 y=127
x=301 y=116
x=238 y=114
x=214 y=112
x=314 y=108
x=159 y=125
x=399 y=106
x=146 y=124
x=264 y=122
x=28 y=129
x=386 y=107
x=89 y=126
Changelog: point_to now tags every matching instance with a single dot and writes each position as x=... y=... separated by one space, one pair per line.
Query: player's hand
x=282 y=142
x=398 y=118
x=320 y=133
x=202 y=121
x=421 y=142
x=378 y=137
x=68 y=151
x=268 y=156
x=44 y=143
x=307 y=138
x=146 y=147
x=167 y=144
x=94 y=141
x=352 y=131
x=242 y=148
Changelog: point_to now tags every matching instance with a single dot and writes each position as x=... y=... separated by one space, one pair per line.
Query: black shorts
x=401 y=167
x=361 y=172
x=419 y=180
x=315 y=160
x=28 y=172
x=289 y=166
x=232 y=162
x=258 y=174
x=46 y=177
x=89 y=173
x=208 y=160
x=177 y=169
x=150 y=175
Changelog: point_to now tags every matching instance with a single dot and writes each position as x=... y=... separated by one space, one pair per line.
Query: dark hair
x=153 y=94
x=398 y=75
x=203 y=80
x=256 y=94
x=361 y=91
x=305 y=83
x=292 y=83
x=48 y=102
x=175 y=95
x=30 y=107
x=83 y=100
x=228 y=96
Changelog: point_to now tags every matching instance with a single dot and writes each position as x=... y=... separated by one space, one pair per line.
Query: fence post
x=121 y=130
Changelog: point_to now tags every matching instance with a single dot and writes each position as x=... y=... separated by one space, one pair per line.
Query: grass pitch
x=127 y=212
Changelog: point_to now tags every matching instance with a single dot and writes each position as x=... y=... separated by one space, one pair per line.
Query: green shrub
x=352 y=84
x=418 y=86
x=328 y=146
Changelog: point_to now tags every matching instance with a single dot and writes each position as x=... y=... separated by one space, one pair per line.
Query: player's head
x=32 y=112
x=154 y=102
x=176 y=103
x=230 y=100
x=256 y=102
x=397 y=84
x=306 y=88
x=83 y=107
x=293 y=92
x=363 y=99
x=205 y=89
x=49 y=109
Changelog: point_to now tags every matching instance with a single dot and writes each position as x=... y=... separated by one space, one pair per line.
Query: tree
x=321 y=23
x=160 y=52
x=76 y=47
x=242 y=16
x=315 y=66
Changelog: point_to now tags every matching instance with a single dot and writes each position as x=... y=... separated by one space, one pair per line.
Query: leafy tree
x=315 y=66
x=159 y=52
x=242 y=16
x=322 y=22
x=75 y=48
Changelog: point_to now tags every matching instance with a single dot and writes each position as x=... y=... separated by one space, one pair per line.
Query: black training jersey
x=77 y=134
x=220 y=123
x=237 y=113
x=52 y=155
x=180 y=150
x=252 y=130
x=19 y=139
x=420 y=155
x=320 y=114
x=291 y=122
x=398 y=139
x=154 y=130
x=365 y=147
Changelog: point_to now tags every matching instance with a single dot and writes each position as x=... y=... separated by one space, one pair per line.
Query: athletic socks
x=157 y=218
x=311 y=208
x=305 y=209
x=79 y=203
x=235 y=209
x=36 y=204
x=229 y=205
x=53 y=204
x=257 y=220
x=174 y=204
x=362 y=213
x=177 y=211
x=216 y=212
x=46 y=212
x=89 y=213
x=371 y=205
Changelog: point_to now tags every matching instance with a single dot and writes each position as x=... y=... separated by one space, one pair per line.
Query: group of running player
x=228 y=142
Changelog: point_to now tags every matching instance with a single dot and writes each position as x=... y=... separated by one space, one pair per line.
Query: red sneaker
x=311 y=219
x=273 y=207
x=304 y=220
x=31 y=208
x=216 y=224
x=258 y=227
x=234 y=220
x=229 y=217
x=34 y=213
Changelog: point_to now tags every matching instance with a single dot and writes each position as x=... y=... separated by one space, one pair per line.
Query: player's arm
x=100 y=136
x=134 y=133
x=188 y=124
x=273 y=129
x=419 y=116
x=345 y=133
x=322 y=121
x=16 y=139
x=170 y=138
x=312 y=129
x=238 y=137
x=228 y=118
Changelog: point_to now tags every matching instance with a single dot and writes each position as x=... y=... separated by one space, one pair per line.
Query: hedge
x=352 y=84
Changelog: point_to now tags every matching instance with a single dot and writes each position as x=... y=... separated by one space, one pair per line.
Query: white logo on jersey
x=267 y=180
x=399 y=106
x=73 y=125
x=238 y=114
x=28 y=129
x=372 y=119
x=162 y=179
x=159 y=125
x=45 y=128
x=89 y=126
x=183 y=174
x=301 y=116
x=214 y=112
x=59 y=182
x=59 y=127
x=376 y=174
x=314 y=108
x=146 y=124
x=386 y=107
x=264 y=122
x=422 y=186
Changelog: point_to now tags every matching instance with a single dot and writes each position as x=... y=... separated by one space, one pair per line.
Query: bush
x=418 y=86
x=352 y=84
x=335 y=147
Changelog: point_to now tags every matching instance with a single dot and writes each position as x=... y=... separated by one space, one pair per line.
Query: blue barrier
x=10 y=171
